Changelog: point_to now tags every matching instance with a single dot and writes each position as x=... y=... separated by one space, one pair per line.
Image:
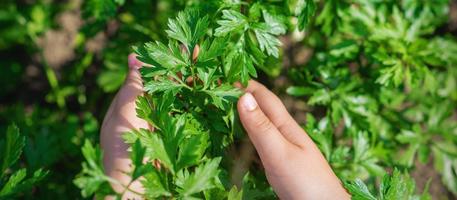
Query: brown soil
x=424 y=173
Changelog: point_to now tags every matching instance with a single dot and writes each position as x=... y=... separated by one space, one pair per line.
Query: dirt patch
x=453 y=16
x=425 y=172
x=58 y=44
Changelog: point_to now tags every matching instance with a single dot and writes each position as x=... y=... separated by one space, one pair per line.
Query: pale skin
x=294 y=166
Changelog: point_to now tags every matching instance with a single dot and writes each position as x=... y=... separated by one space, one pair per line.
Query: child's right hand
x=294 y=166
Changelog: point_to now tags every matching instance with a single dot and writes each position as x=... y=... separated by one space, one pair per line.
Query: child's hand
x=120 y=118
x=294 y=166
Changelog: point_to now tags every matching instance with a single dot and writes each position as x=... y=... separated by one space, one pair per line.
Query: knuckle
x=133 y=81
x=283 y=124
x=262 y=123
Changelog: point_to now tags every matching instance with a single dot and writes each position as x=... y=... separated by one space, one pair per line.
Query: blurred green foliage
x=383 y=74
x=379 y=86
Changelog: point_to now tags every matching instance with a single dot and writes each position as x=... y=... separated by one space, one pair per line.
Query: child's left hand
x=120 y=118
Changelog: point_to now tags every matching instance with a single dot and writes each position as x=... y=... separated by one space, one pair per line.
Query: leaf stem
x=126 y=187
x=180 y=81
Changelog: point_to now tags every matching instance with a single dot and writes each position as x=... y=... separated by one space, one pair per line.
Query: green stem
x=180 y=81
x=54 y=83
x=51 y=76
x=193 y=75
x=126 y=187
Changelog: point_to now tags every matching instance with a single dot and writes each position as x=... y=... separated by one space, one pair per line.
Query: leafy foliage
x=193 y=110
x=397 y=186
x=200 y=62
x=12 y=183
x=92 y=177
x=376 y=79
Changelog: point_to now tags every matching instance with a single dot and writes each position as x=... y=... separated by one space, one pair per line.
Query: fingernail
x=249 y=102
x=133 y=62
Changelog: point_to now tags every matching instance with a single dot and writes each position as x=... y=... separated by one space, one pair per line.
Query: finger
x=261 y=131
x=275 y=110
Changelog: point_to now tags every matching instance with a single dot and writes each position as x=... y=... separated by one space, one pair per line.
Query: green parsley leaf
x=200 y=180
x=164 y=85
x=305 y=10
x=155 y=185
x=275 y=26
x=267 y=41
x=92 y=178
x=232 y=21
x=191 y=150
x=188 y=27
x=12 y=149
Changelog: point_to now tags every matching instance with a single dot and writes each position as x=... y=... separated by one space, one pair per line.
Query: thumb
x=124 y=101
x=134 y=76
x=120 y=118
x=133 y=85
x=268 y=141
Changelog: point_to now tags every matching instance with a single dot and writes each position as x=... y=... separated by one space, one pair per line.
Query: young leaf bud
x=195 y=53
